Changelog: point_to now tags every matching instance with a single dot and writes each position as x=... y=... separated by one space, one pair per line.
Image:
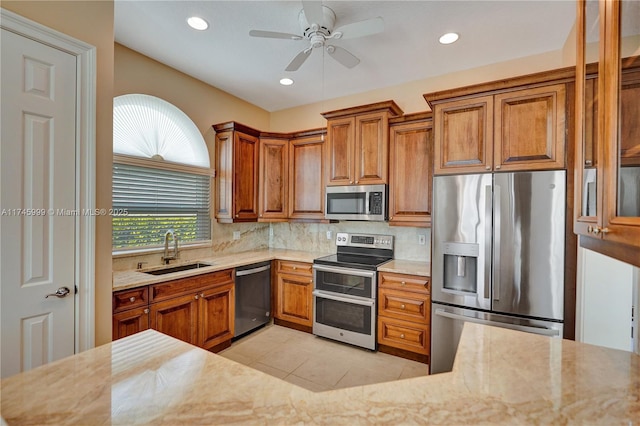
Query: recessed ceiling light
x=286 y=81
x=197 y=23
x=449 y=38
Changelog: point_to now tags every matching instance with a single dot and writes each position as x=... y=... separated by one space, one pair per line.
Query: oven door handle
x=345 y=271
x=324 y=295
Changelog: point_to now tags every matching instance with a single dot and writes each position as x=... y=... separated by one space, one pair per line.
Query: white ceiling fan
x=316 y=22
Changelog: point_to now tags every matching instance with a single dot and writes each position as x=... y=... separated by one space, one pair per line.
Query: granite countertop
x=123 y=280
x=500 y=376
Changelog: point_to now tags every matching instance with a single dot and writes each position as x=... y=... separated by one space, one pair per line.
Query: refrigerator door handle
x=497 y=219
x=528 y=329
x=488 y=202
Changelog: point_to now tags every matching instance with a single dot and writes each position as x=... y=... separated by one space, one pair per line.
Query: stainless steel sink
x=177 y=268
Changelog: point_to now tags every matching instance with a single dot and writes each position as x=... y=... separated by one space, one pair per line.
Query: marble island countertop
x=500 y=376
x=123 y=280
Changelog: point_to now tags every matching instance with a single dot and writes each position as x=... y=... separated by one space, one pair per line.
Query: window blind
x=149 y=201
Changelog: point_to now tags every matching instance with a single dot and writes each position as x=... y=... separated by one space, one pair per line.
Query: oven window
x=351 y=203
x=344 y=283
x=343 y=315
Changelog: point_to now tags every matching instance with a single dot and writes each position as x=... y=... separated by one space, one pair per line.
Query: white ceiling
x=225 y=56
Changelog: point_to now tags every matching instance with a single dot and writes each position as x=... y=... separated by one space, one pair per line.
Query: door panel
x=529 y=234
x=38 y=203
x=462 y=222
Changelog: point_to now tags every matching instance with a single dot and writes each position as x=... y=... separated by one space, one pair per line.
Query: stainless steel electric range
x=345 y=288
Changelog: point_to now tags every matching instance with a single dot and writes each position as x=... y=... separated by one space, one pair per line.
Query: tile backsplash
x=292 y=236
x=303 y=236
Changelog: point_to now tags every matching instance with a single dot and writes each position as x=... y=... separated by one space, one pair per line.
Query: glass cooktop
x=348 y=260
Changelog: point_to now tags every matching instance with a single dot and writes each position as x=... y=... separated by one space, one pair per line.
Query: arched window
x=161 y=175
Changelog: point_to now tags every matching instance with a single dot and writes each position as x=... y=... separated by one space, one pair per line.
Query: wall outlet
x=236 y=235
x=329 y=235
x=422 y=239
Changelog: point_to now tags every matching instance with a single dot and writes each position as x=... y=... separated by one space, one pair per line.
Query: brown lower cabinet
x=199 y=310
x=404 y=315
x=293 y=294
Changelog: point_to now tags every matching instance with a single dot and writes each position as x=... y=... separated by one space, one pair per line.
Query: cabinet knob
x=146 y=311
x=498 y=167
x=357 y=181
x=604 y=230
x=237 y=215
x=311 y=280
x=402 y=306
x=295 y=267
x=202 y=295
x=588 y=163
x=132 y=299
x=350 y=181
x=197 y=296
x=403 y=283
x=390 y=217
x=487 y=168
x=402 y=336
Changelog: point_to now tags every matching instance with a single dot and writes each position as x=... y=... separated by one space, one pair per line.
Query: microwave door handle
x=367 y=207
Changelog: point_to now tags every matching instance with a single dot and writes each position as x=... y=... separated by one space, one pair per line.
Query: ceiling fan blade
x=273 y=34
x=313 y=12
x=343 y=56
x=361 y=29
x=298 y=60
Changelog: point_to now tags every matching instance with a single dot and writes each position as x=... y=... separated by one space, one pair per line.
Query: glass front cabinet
x=607 y=167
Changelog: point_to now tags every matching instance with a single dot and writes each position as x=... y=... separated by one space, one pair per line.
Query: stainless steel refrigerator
x=498 y=256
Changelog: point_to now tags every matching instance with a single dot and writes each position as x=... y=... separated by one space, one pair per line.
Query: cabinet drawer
x=299 y=268
x=130 y=322
x=405 y=282
x=129 y=299
x=169 y=289
x=404 y=305
x=405 y=335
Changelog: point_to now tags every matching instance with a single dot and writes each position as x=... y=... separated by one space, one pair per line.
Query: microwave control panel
x=376 y=203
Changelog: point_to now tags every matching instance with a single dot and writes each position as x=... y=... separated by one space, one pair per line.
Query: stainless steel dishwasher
x=253 y=297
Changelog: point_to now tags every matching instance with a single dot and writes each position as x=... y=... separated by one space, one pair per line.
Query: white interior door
x=38 y=202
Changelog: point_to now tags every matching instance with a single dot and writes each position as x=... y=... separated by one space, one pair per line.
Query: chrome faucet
x=166 y=258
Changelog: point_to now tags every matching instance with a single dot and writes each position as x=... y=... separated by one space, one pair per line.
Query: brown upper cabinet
x=410 y=170
x=358 y=144
x=237 y=156
x=273 y=179
x=306 y=176
x=607 y=167
x=517 y=124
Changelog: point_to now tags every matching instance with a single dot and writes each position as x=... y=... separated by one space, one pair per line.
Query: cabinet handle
x=146 y=311
x=402 y=306
x=402 y=336
x=197 y=296
x=132 y=299
x=604 y=230
x=202 y=295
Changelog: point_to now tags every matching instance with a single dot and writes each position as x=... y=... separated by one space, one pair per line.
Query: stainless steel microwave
x=356 y=202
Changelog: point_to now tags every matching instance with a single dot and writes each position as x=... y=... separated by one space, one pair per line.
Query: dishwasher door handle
x=252 y=271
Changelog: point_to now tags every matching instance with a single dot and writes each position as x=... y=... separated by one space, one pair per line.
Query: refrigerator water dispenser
x=460 y=267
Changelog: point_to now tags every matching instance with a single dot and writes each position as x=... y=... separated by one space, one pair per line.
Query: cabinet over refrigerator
x=498 y=255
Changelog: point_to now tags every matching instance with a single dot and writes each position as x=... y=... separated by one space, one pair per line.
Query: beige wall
x=91 y=22
x=409 y=95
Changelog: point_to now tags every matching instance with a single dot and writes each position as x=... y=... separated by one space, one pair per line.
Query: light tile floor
x=315 y=363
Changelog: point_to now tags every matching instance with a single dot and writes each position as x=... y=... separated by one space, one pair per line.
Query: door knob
x=61 y=292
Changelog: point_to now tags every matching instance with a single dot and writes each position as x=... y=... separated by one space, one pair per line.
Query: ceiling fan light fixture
x=197 y=23
x=286 y=81
x=448 y=38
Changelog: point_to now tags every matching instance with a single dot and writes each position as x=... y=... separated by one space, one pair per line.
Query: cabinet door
x=410 y=187
x=340 y=141
x=294 y=299
x=529 y=130
x=410 y=336
x=273 y=182
x=404 y=305
x=245 y=175
x=217 y=314
x=371 y=148
x=177 y=317
x=306 y=178
x=629 y=117
x=463 y=132
x=224 y=176
x=130 y=322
